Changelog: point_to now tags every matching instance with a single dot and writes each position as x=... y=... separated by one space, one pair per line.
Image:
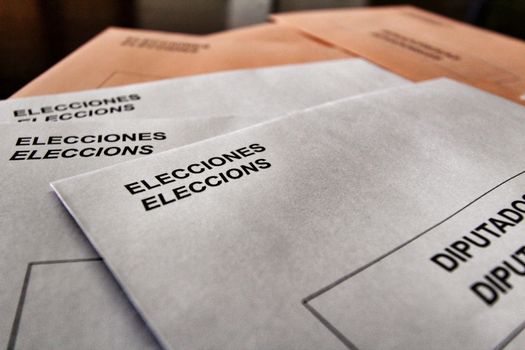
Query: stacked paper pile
x=334 y=181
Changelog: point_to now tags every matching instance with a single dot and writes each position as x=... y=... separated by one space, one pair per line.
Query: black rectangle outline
x=18 y=315
x=501 y=345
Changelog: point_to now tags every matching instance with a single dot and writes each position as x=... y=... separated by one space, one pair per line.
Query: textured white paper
x=517 y=343
x=53 y=295
x=229 y=266
x=78 y=305
x=264 y=92
x=40 y=237
x=408 y=301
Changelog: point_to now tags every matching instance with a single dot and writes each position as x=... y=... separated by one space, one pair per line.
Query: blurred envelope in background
x=218 y=244
x=262 y=92
x=420 y=45
x=120 y=56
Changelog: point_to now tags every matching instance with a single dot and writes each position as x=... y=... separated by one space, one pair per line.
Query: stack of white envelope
x=328 y=205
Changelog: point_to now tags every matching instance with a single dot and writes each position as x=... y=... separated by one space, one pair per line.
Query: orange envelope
x=419 y=45
x=119 y=56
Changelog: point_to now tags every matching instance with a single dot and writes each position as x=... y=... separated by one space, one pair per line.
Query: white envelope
x=264 y=92
x=55 y=293
x=83 y=313
x=219 y=244
x=459 y=285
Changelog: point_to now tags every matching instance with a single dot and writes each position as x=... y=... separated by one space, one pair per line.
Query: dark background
x=35 y=34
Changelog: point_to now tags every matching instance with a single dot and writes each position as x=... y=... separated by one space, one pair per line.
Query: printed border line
x=321 y=291
x=510 y=337
x=115 y=72
x=21 y=301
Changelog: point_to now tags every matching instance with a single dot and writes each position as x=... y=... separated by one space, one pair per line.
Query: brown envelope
x=119 y=56
x=420 y=45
